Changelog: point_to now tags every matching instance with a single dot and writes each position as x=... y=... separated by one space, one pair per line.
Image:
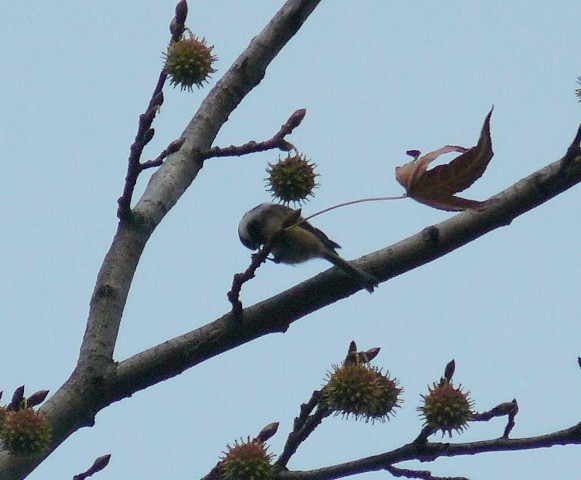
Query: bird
x=294 y=240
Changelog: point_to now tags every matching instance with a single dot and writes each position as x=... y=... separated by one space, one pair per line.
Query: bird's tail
x=366 y=280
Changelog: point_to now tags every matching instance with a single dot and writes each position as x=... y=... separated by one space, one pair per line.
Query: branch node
x=511 y=418
x=431 y=234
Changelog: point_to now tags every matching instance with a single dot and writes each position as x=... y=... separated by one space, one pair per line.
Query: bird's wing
x=330 y=244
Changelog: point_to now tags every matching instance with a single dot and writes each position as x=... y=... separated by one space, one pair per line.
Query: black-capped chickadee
x=295 y=240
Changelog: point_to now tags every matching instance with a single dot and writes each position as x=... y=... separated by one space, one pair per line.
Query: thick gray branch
x=78 y=400
x=277 y=313
x=171 y=180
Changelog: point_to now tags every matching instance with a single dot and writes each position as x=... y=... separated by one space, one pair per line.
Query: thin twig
x=304 y=425
x=509 y=409
x=144 y=131
x=432 y=451
x=171 y=148
x=98 y=465
x=421 y=474
x=241 y=278
x=277 y=141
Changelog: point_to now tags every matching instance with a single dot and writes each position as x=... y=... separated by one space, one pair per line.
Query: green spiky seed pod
x=291 y=179
x=3 y=414
x=247 y=461
x=578 y=91
x=363 y=391
x=26 y=432
x=189 y=62
x=446 y=408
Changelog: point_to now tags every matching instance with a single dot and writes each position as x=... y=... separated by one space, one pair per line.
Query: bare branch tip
x=267 y=432
x=449 y=370
x=17 y=398
x=98 y=465
x=296 y=118
x=181 y=10
x=37 y=398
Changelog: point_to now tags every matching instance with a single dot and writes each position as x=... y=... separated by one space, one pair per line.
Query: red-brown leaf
x=436 y=187
x=449 y=204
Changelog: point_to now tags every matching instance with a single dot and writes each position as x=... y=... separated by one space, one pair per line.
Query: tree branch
x=421 y=474
x=277 y=141
x=98 y=465
x=510 y=409
x=144 y=130
x=78 y=400
x=277 y=313
x=431 y=451
x=303 y=426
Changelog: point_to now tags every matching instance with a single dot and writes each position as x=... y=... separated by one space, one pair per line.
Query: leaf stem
x=353 y=202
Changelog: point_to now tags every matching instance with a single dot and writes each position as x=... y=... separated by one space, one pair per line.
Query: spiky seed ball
x=247 y=461
x=291 y=179
x=26 y=432
x=446 y=408
x=578 y=91
x=363 y=391
x=189 y=62
x=3 y=414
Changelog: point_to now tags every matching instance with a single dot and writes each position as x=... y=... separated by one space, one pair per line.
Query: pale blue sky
x=377 y=78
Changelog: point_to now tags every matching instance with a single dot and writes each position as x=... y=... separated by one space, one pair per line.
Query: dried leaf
x=436 y=187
